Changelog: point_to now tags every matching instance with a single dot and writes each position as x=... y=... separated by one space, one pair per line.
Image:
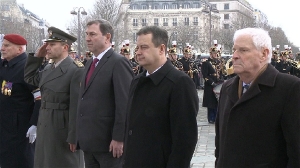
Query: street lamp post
x=83 y=12
x=208 y=9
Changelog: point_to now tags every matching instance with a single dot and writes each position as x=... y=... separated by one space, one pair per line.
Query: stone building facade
x=185 y=20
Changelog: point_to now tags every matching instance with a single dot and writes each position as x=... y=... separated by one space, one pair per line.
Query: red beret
x=16 y=39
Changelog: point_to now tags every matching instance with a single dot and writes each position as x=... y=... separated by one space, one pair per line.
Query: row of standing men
x=100 y=109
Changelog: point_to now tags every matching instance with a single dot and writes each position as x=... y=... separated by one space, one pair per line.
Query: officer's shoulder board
x=78 y=64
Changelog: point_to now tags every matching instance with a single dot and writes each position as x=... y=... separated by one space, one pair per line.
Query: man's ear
x=108 y=36
x=162 y=48
x=265 y=53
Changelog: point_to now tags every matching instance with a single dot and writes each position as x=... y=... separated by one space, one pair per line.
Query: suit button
x=82 y=98
x=130 y=132
x=81 y=115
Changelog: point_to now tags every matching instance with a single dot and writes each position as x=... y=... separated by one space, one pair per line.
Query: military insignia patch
x=49 y=33
x=79 y=64
x=6 y=88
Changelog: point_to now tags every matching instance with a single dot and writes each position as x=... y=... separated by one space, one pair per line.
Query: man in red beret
x=17 y=115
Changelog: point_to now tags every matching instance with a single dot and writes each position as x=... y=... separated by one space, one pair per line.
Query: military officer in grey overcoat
x=59 y=83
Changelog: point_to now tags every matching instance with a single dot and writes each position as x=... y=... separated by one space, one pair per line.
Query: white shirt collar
x=100 y=55
x=147 y=74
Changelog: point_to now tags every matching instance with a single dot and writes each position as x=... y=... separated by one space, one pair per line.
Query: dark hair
x=159 y=35
x=104 y=26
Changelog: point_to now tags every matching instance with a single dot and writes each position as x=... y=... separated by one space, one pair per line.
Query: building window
x=214 y=6
x=165 y=6
x=226 y=26
x=5 y=8
x=186 y=21
x=155 y=6
x=195 y=21
x=174 y=6
x=134 y=7
x=26 y=21
x=144 y=22
x=195 y=35
x=174 y=21
x=144 y=7
x=134 y=37
x=135 y=22
x=186 y=6
x=196 y=5
x=165 y=21
x=226 y=6
x=226 y=16
x=155 y=21
x=41 y=23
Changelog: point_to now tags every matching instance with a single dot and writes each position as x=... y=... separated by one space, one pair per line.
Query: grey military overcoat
x=57 y=120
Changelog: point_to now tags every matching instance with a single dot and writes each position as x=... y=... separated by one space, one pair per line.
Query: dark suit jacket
x=262 y=128
x=161 y=128
x=103 y=102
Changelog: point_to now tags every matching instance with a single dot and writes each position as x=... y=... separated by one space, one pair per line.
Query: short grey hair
x=260 y=37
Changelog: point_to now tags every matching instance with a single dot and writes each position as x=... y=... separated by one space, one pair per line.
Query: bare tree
x=33 y=35
x=102 y=9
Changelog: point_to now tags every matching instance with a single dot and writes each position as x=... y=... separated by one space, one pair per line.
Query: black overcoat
x=16 y=115
x=210 y=76
x=161 y=128
x=261 y=129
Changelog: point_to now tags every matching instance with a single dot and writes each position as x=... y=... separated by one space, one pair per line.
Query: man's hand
x=72 y=147
x=41 y=52
x=116 y=148
x=214 y=84
x=31 y=134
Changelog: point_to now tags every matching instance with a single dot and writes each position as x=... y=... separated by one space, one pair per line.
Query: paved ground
x=205 y=148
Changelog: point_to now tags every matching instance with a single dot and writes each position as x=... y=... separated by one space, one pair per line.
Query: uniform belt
x=54 y=106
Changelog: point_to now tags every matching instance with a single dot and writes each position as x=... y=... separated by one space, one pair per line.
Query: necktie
x=245 y=88
x=91 y=70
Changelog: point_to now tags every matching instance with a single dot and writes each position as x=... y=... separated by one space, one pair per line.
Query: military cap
x=275 y=52
x=55 y=34
x=187 y=50
x=172 y=50
x=16 y=39
x=72 y=50
x=88 y=54
x=284 y=53
x=126 y=50
x=213 y=49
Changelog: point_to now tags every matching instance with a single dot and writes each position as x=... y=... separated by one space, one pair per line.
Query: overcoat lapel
x=51 y=74
x=267 y=78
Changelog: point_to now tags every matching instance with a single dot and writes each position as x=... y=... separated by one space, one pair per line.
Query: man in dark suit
x=17 y=112
x=59 y=83
x=161 y=126
x=257 y=126
x=103 y=99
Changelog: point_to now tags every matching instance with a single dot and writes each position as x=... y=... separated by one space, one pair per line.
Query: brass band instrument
x=192 y=70
x=178 y=65
x=229 y=67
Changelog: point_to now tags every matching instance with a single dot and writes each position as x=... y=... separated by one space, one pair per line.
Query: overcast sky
x=280 y=13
